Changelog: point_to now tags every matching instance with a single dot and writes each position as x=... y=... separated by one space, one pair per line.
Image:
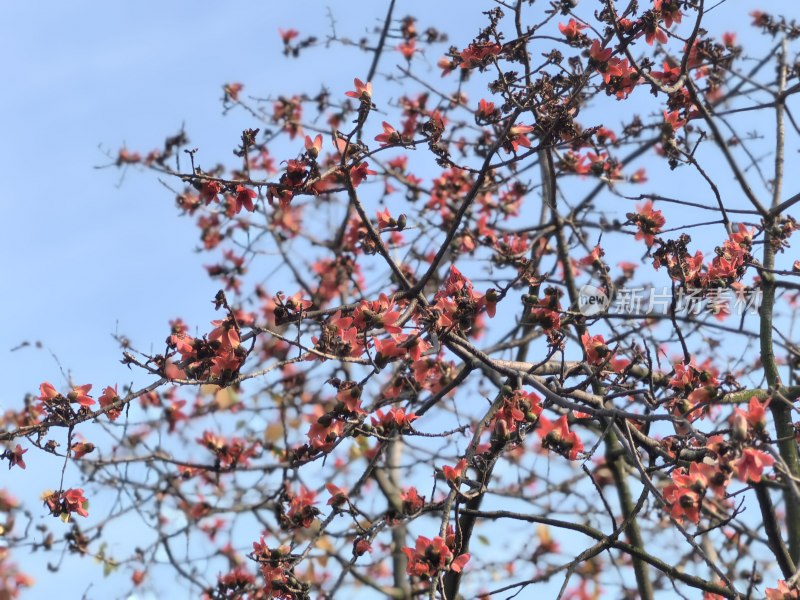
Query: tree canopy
x=503 y=314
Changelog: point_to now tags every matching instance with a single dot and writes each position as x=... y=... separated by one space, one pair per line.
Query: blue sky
x=97 y=251
x=87 y=251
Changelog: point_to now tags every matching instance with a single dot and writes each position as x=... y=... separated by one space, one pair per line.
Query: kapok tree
x=526 y=321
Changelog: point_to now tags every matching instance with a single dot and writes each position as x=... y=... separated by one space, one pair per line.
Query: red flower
x=244 y=199
x=782 y=592
x=431 y=556
x=756 y=415
x=477 y=54
x=81 y=449
x=557 y=436
x=287 y=35
x=15 y=456
x=654 y=32
x=607 y=67
x=446 y=65
x=127 y=158
x=516 y=138
x=359 y=173
x=314 y=147
x=232 y=90
x=729 y=39
x=225 y=332
x=683 y=503
x=743 y=236
x=412 y=501
x=401 y=418
x=596 y=349
x=639 y=176
x=324 y=432
x=338 y=495
x=485 y=109
x=670 y=11
x=64 y=503
x=108 y=397
x=385 y=219
x=76 y=502
x=301 y=508
x=452 y=474
x=459 y=563
x=362 y=92
x=79 y=394
x=389 y=136
x=209 y=191
x=648 y=220
x=378 y=313
x=598 y=53
x=572 y=29
x=669 y=75
x=673 y=120
x=605 y=135
x=407 y=49
x=751 y=464
x=47 y=392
